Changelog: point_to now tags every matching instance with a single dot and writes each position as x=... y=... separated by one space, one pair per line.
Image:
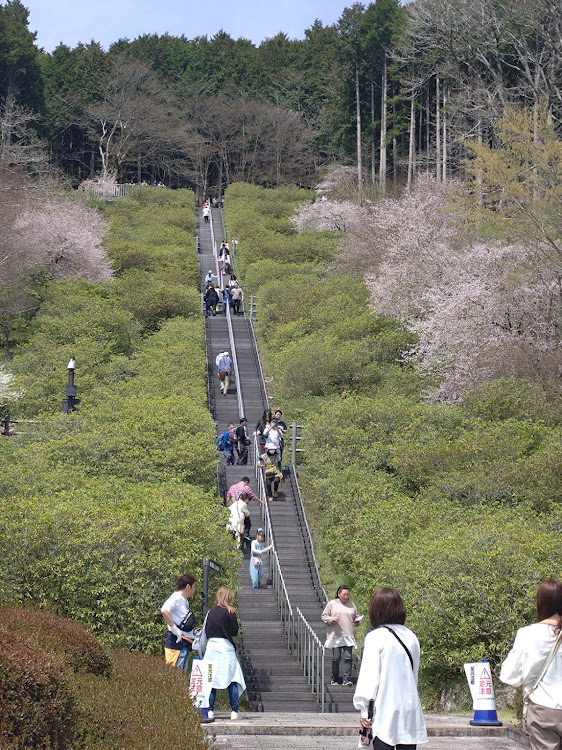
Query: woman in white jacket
x=524 y=664
x=389 y=676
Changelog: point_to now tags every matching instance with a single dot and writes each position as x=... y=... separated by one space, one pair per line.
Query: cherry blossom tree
x=481 y=309
x=65 y=237
x=49 y=239
x=324 y=214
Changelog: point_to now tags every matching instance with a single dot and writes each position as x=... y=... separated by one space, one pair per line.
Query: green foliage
x=469 y=585
x=108 y=553
x=261 y=218
x=152 y=299
x=111 y=503
x=20 y=74
x=516 y=398
x=78 y=319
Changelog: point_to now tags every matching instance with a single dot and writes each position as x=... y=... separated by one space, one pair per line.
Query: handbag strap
x=395 y=634
x=547 y=663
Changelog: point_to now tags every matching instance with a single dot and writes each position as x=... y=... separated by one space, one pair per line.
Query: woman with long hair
x=256 y=561
x=389 y=677
x=261 y=426
x=535 y=662
x=221 y=627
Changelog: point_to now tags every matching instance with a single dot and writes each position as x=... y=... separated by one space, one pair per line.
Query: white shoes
x=234 y=716
x=211 y=714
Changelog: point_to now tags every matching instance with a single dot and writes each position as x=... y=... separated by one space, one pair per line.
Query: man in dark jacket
x=242 y=446
x=211 y=301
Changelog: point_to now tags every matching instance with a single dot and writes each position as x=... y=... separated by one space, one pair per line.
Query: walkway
x=340 y=732
x=274 y=678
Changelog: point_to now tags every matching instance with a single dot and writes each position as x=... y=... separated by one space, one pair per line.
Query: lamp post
x=208 y=565
x=70 y=402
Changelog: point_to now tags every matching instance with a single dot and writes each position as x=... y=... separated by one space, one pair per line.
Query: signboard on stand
x=479 y=676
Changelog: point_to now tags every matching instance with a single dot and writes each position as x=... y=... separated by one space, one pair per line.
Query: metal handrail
x=239 y=397
x=235 y=363
x=301 y=638
x=307 y=527
x=258 y=360
x=215 y=254
x=295 y=437
x=312 y=655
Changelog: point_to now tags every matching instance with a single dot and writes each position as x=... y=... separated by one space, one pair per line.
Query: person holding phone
x=389 y=676
x=341 y=618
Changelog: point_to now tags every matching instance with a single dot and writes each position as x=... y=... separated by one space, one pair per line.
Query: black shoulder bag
x=187 y=623
x=395 y=634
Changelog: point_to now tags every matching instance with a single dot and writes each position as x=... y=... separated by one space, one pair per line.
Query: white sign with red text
x=479 y=676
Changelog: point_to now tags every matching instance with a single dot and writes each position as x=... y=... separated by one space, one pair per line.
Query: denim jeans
x=336 y=656
x=183 y=657
x=232 y=697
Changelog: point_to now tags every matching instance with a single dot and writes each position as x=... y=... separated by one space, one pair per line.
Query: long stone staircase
x=275 y=680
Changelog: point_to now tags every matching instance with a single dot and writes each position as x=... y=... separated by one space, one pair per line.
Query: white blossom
x=67 y=236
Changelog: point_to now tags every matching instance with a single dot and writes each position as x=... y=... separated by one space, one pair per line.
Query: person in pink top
x=341 y=618
x=237 y=489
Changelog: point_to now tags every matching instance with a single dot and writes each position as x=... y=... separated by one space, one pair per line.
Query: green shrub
x=153 y=299
x=469 y=585
x=108 y=553
x=515 y=398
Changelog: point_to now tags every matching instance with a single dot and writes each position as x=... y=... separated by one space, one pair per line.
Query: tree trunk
x=358 y=119
x=480 y=140
x=373 y=143
x=427 y=132
x=394 y=144
x=412 y=145
x=382 y=158
x=219 y=187
x=437 y=131
x=444 y=134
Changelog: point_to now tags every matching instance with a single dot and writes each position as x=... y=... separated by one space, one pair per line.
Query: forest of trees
x=390 y=89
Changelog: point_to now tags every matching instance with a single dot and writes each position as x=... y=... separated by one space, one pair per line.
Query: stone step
x=274 y=671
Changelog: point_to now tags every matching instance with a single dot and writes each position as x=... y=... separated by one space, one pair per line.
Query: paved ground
x=350 y=743
x=280 y=731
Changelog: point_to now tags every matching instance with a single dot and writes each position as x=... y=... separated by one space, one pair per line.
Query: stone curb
x=330 y=725
x=296 y=730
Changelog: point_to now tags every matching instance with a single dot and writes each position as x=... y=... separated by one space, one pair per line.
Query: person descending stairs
x=274 y=678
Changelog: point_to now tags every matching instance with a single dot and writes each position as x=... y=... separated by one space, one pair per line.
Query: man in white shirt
x=224 y=370
x=180 y=622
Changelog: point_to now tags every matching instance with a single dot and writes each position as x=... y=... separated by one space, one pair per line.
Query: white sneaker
x=234 y=716
x=211 y=714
